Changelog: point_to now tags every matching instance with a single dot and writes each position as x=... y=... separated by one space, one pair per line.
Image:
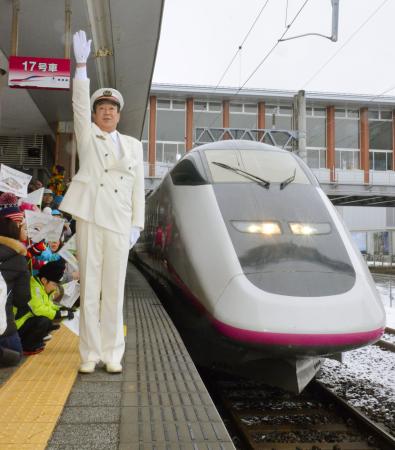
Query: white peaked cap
x=109 y=94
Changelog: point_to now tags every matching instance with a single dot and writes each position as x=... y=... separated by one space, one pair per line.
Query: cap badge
x=107 y=93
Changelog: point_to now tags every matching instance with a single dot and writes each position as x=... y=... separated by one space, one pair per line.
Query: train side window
x=185 y=173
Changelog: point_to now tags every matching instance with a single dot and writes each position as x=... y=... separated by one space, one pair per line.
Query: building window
x=347 y=159
x=236 y=107
x=346 y=129
x=250 y=108
x=199 y=106
x=379 y=160
x=316 y=158
x=380 y=130
x=178 y=104
x=215 y=106
x=163 y=104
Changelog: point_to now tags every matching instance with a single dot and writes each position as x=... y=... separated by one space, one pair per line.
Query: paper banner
x=71 y=293
x=69 y=253
x=43 y=226
x=14 y=181
x=35 y=197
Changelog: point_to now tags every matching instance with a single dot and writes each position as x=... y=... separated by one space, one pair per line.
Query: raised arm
x=81 y=95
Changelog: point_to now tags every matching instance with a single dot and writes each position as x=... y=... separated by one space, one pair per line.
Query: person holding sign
x=106 y=197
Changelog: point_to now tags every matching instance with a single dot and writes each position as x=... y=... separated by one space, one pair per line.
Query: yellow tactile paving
x=32 y=400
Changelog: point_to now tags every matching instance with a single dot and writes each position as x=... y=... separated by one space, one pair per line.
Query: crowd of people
x=31 y=274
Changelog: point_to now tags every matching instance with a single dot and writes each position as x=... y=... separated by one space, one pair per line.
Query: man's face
x=106 y=116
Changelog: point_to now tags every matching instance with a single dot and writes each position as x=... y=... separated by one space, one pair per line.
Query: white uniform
x=107 y=197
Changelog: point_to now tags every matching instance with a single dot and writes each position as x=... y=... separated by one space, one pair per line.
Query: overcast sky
x=199 y=39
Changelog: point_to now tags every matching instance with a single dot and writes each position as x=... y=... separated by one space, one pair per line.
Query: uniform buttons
x=105 y=170
x=116 y=190
x=101 y=184
x=121 y=178
x=106 y=154
x=129 y=167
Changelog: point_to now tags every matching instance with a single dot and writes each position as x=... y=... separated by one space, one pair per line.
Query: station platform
x=158 y=402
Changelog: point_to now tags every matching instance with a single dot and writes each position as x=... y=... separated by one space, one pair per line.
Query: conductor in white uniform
x=106 y=197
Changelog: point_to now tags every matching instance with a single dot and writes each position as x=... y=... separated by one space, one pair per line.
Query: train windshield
x=273 y=166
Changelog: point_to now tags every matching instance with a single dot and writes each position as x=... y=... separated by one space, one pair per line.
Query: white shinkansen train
x=265 y=277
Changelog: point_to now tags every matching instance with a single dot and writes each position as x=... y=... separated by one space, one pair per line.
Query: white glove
x=81 y=47
x=134 y=235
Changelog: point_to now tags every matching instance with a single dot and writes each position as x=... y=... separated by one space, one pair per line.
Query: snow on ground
x=366 y=378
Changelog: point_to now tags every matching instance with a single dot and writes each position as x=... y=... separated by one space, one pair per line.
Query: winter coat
x=14 y=269
x=40 y=304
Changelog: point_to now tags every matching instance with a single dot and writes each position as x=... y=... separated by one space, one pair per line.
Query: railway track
x=267 y=418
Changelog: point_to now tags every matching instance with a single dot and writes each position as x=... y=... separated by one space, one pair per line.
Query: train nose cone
x=246 y=313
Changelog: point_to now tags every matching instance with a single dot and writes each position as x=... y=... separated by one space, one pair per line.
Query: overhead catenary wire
x=344 y=45
x=239 y=48
x=266 y=55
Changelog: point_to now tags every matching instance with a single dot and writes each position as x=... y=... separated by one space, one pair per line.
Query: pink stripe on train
x=311 y=340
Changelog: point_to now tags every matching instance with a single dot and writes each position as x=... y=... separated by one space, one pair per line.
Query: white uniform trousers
x=103 y=259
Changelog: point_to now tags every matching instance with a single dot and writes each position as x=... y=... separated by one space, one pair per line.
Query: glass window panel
x=340 y=112
x=287 y=110
x=338 y=158
x=199 y=106
x=380 y=161
x=316 y=132
x=163 y=104
x=178 y=104
x=144 y=136
x=360 y=238
x=235 y=107
x=346 y=160
x=283 y=123
x=386 y=115
x=309 y=111
x=353 y=114
x=159 y=151
x=356 y=160
x=270 y=109
x=389 y=160
x=380 y=135
x=320 y=112
x=371 y=160
x=250 y=108
x=270 y=165
x=145 y=151
x=313 y=159
x=322 y=159
x=206 y=119
x=243 y=121
x=170 y=125
x=373 y=114
x=347 y=133
x=214 y=106
x=169 y=153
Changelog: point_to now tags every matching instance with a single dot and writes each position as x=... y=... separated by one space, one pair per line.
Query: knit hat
x=52 y=271
x=9 y=207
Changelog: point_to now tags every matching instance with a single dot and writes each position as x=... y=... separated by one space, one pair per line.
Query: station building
x=350 y=143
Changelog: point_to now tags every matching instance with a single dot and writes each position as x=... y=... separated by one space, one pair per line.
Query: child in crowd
x=36 y=323
x=14 y=271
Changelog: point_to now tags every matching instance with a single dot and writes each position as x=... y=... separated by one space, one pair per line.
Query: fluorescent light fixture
x=308 y=229
x=268 y=228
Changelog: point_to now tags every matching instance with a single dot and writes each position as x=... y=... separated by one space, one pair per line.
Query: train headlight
x=266 y=228
x=308 y=229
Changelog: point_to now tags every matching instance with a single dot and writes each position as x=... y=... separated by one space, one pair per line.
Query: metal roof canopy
x=130 y=30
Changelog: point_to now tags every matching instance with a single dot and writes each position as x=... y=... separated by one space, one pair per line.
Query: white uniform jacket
x=105 y=191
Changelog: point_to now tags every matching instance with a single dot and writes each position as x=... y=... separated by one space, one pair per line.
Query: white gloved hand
x=81 y=47
x=134 y=235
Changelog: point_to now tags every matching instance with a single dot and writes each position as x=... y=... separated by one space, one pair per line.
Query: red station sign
x=38 y=73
